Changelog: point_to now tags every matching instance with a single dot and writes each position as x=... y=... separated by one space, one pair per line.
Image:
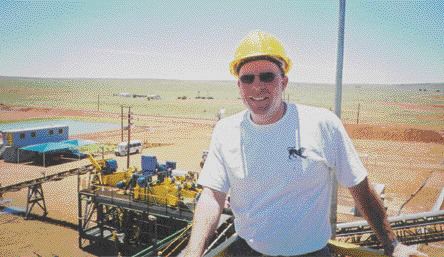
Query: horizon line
x=216 y=80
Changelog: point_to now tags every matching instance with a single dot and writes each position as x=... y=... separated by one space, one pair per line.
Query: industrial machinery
x=107 y=174
x=167 y=190
x=155 y=184
x=161 y=184
x=136 y=211
x=154 y=217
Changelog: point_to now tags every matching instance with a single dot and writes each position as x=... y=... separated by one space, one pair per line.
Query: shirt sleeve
x=214 y=174
x=348 y=167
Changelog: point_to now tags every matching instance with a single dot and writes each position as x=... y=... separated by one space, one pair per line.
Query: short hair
x=261 y=57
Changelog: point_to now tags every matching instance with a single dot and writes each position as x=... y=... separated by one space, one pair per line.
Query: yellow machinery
x=171 y=191
x=110 y=179
x=113 y=179
x=347 y=249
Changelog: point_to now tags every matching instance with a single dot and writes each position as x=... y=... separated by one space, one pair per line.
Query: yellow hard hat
x=258 y=43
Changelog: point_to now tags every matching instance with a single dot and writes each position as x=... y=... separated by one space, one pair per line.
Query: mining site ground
x=407 y=158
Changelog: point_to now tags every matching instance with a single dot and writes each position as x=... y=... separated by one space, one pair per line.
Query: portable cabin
x=13 y=139
x=31 y=136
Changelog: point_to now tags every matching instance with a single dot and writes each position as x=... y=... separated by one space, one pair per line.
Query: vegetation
x=378 y=103
x=98 y=148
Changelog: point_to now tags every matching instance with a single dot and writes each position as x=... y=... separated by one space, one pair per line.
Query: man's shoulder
x=231 y=122
x=314 y=111
x=316 y=115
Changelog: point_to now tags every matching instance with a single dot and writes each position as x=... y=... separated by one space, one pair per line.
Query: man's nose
x=257 y=84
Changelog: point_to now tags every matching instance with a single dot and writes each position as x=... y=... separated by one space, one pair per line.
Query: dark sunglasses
x=263 y=77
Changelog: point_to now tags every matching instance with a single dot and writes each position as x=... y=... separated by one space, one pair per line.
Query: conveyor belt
x=52 y=177
x=410 y=229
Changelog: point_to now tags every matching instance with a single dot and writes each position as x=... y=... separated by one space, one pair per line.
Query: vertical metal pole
x=28 y=199
x=80 y=218
x=129 y=138
x=121 y=121
x=338 y=100
x=340 y=58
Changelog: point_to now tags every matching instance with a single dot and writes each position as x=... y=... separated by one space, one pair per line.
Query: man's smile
x=258 y=98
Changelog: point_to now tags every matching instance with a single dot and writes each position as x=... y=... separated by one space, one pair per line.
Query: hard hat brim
x=235 y=63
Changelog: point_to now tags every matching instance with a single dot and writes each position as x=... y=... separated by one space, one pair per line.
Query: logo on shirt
x=294 y=153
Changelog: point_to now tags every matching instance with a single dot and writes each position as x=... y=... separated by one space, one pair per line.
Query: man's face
x=263 y=96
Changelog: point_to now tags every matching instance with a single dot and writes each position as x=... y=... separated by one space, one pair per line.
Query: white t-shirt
x=279 y=176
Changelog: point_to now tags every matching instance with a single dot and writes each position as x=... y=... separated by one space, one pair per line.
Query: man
x=276 y=159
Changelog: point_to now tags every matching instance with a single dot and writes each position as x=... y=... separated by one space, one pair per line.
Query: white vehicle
x=135 y=147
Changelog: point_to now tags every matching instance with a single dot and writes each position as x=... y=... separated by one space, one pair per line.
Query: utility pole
x=103 y=152
x=338 y=100
x=121 y=121
x=129 y=138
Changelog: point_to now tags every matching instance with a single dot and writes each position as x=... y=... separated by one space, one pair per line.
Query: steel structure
x=353 y=238
x=35 y=196
x=410 y=229
x=35 y=191
x=53 y=177
x=109 y=217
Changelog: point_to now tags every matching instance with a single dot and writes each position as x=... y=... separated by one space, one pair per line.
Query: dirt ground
x=404 y=159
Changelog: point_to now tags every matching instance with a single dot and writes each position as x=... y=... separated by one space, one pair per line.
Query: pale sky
x=385 y=41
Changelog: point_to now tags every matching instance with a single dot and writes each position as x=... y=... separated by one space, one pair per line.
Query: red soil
x=393 y=133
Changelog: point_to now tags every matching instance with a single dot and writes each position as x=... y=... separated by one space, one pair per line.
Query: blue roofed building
x=14 y=139
x=31 y=136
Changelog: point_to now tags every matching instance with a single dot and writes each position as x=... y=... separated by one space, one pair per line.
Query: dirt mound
x=415 y=106
x=4 y=107
x=392 y=133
